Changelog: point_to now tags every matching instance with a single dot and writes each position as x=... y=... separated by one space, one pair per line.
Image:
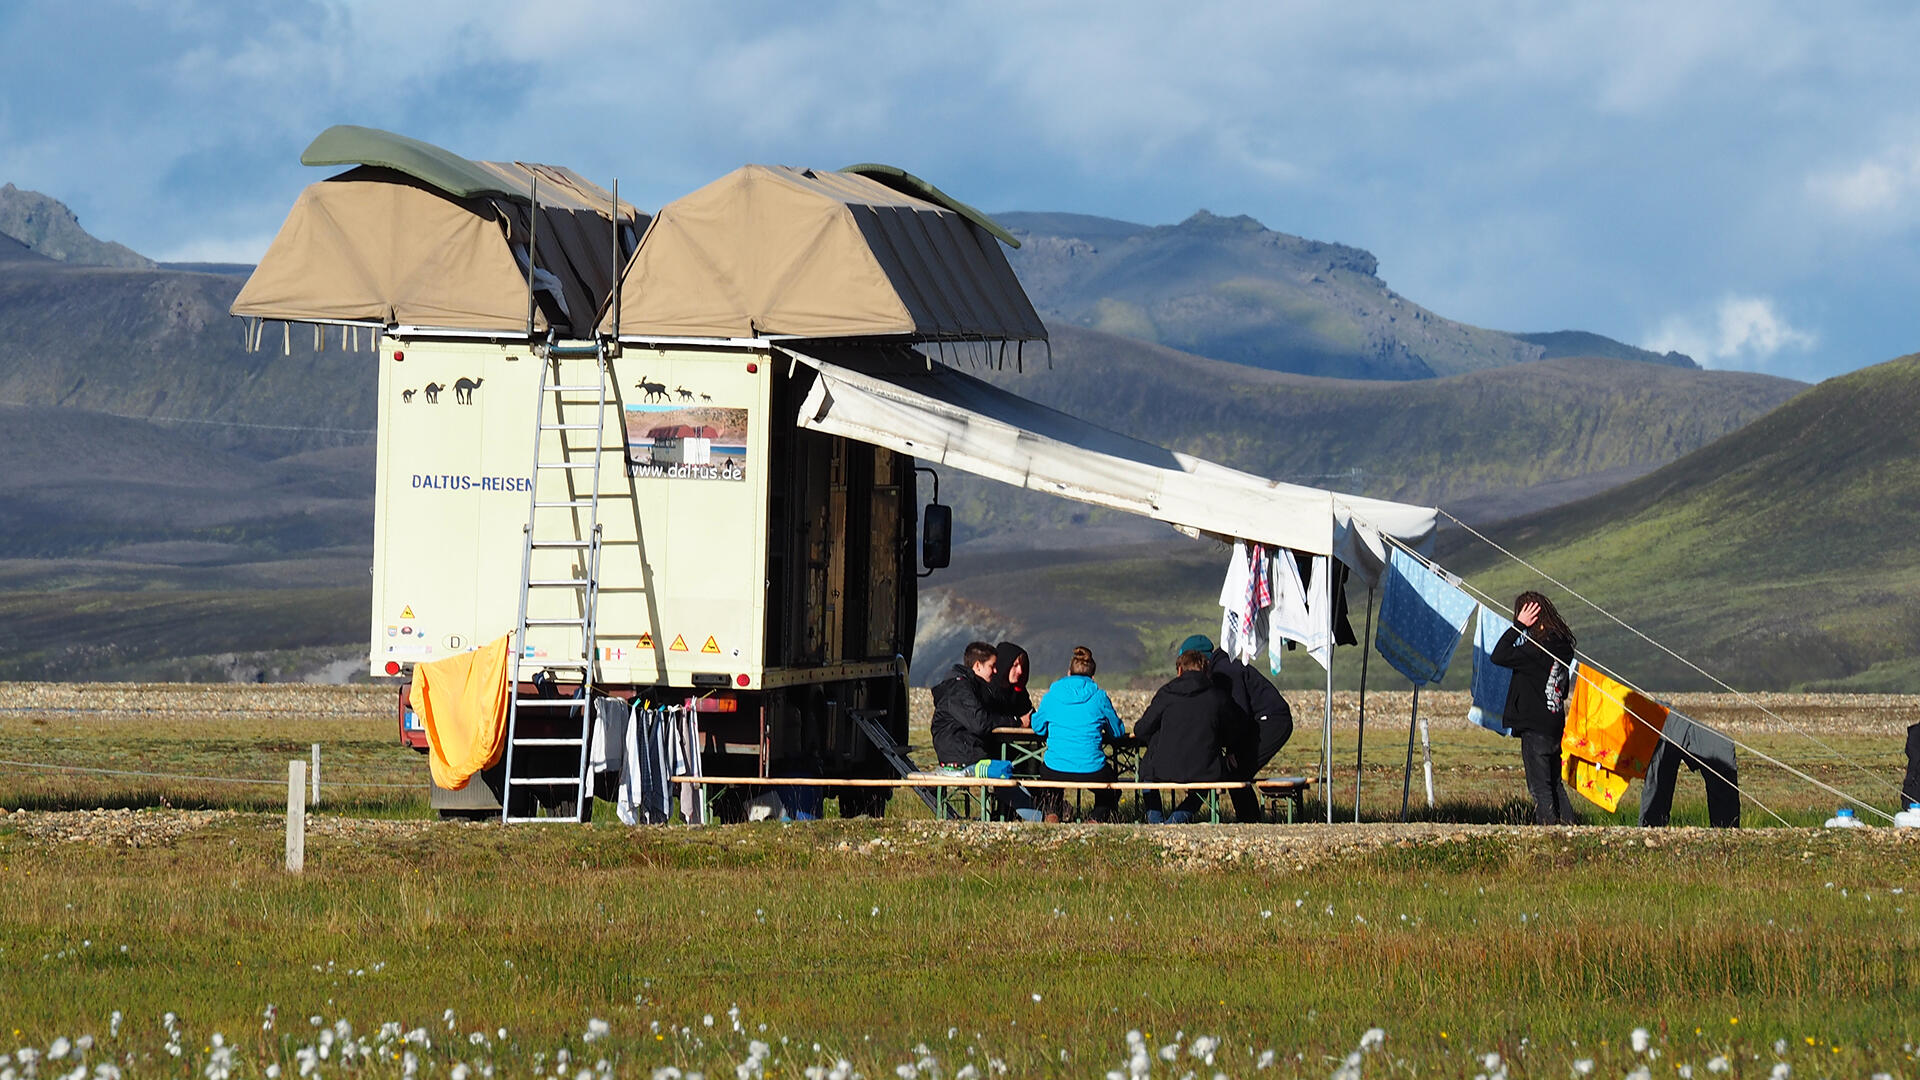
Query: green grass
x=1040 y=948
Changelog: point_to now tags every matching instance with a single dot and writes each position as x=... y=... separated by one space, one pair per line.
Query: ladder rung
x=562 y=543
x=574 y=505
x=556 y=622
x=567 y=464
x=543 y=781
x=569 y=427
x=548 y=742
x=575 y=389
x=570 y=583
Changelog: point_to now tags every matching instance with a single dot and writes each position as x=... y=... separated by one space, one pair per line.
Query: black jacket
x=1267 y=723
x=1537 y=698
x=961 y=717
x=1184 y=728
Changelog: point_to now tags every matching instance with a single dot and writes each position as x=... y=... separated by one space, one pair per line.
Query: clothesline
x=1722 y=684
x=281 y=782
x=1585 y=659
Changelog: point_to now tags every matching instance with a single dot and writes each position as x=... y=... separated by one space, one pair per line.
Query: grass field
x=920 y=949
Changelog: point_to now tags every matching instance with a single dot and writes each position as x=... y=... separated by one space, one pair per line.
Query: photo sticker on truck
x=686 y=442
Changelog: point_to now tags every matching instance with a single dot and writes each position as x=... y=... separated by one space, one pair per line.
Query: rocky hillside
x=45 y=225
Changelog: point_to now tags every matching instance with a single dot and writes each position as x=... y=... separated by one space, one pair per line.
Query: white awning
x=947 y=417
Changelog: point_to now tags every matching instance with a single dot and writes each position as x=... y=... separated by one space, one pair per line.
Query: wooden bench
x=972 y=786
x=1291 y=790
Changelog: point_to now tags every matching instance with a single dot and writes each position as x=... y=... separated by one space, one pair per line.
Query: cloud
x=1740 y=332
x=1881 y=189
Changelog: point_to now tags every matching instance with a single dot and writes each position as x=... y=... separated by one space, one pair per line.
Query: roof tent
x=771 y=251
x=942 y=415
x=415 y=235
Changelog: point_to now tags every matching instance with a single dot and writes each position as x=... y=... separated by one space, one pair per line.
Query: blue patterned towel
x=1490 y=680
x=1422 y=616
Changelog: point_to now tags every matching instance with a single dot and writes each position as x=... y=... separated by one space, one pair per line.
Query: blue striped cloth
x=1422 y=616
x=1490 y=680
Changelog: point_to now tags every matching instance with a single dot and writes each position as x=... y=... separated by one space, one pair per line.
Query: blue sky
x=1740 y=181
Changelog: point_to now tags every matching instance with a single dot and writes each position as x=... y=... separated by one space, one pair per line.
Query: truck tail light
x=393 y=667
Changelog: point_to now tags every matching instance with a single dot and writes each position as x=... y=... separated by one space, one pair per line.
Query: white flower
x=1640 y=1072
x=1170 y=1052
x=1640 y=1039
x=58 y=1048
x=666 y=1072
x=1491 y=1060
x=273 y=1071
x=596 y=1029
x=1781 y=1070
x=707 y=1020
x=1373 y=1038
x=1203 y=1047
x=107 y=1070
x=1036 y=997
x=1265 y=1061
x=1719 y=1064
x=1582 y=1066
x=906 y=1072
x=1685 y=1072
x=113 y=1024
x=460 y=1071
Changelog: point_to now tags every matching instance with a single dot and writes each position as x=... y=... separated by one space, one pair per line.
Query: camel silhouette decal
x=464 y=388
x=406 y=397
x=432 y=390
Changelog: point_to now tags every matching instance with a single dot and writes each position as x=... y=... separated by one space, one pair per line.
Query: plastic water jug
x=1844 y=819
x=1908 y=818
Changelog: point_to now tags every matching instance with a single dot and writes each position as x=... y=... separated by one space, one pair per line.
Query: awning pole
x=1360 y=751
x=1406 y=785
x=1326 y=729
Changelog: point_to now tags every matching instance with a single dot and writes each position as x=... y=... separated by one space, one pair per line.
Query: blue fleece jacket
x=1075 y=715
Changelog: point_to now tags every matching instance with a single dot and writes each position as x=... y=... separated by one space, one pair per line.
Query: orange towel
x=462 y=702
x=1611 y=724
x=1598 y=784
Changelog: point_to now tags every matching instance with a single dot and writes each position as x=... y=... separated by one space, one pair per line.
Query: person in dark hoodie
x=962 y=715
x=1183 y=728
x=1007 y=690
x=1077 y=717
x=1539 y=649
x=1267 y=721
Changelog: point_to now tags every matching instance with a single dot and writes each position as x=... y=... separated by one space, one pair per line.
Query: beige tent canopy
x=772 y=251
x=418 y=236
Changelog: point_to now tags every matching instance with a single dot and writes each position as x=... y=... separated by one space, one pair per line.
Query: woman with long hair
x=1539 y=650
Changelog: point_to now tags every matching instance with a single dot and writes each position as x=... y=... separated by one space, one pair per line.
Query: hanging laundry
x=1611 y=724
x=608 y=746
x=1422 y=616
x=1290 y=619
x=1597 y=784
x=1706 y=752
x=1490 y=680
x=462 y=702
x=1241 y=613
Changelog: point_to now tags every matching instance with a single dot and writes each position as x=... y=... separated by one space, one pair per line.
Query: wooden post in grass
x=296 y=816
x=316 y=774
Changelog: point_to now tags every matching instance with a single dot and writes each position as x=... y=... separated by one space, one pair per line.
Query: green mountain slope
x=1780 y=556
x=1444 y=441
x=1231 y=289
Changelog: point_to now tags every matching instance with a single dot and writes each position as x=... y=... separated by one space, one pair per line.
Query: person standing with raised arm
x=1539 y=650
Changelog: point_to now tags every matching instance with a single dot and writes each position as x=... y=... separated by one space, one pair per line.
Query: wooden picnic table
x=1292 y=788
x=1025 y=750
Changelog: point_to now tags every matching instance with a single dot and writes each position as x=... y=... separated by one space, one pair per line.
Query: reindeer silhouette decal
x=685 y=394
x=464 y=388
x=406 y=397
x=432 y=390
x=654 y=391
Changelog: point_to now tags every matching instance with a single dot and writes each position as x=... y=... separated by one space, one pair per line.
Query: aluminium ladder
x=558 y=530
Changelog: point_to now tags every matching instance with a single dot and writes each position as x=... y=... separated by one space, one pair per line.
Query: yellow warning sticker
x=711 y=646
x=645 y=642
x=407 y=612
x=679 y=644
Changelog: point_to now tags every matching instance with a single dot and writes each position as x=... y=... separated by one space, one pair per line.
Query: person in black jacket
x=1539 y=649
x=962 y=715
x=1267 y=721
x=1007 y=690
x=1184 y=727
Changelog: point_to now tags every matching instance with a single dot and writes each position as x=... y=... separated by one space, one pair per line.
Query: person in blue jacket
x=1077 y=717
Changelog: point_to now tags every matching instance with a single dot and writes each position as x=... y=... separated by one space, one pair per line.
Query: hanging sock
x=1490 y=680
x=1422 y=616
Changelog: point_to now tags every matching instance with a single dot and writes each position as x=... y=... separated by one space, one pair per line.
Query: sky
x=1736 y=180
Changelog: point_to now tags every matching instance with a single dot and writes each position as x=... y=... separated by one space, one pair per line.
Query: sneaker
x=1155 y=817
